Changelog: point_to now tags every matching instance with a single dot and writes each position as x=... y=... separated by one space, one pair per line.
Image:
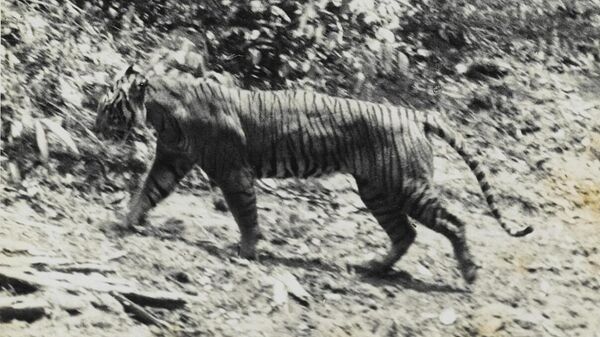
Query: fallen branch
x=72 y=282
x=138 y=312
x=158 y=299
x=20 y=261
x=31 y=280
x=18 y=285
x=22 y=308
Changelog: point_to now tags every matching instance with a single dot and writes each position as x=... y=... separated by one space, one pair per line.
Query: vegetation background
x=519 y=79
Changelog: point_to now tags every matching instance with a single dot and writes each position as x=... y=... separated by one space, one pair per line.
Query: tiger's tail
x=436 y=125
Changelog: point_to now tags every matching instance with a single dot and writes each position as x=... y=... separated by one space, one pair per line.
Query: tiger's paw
x=133 y=223
x=373 y=267
x=123 y=226
x=469 y=271
x=248 y=241
x=248 y=254
x=247 y=251
x=114 y=229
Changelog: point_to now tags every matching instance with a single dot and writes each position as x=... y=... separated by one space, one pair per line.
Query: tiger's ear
x=131 y=70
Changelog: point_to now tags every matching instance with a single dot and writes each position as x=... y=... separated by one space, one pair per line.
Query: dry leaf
x=374 y=45
x=280 y=13
x=359 y=81
x=42 y=142
x=70 y=93
x=255 y=55
x=254 y=34
x=16 y=129
x=15 y=175
x=424 y=52
x=294 y=287
x=194 y=60
x=279 y=292
x=403 y=63
x=61 y=133
x=257 y=6
x=386 y=35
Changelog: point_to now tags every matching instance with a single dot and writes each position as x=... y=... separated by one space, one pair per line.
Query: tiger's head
x=122 y=107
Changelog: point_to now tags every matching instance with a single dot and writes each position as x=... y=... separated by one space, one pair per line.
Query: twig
x=85 y=268
x=160 y=299
x=116 y=256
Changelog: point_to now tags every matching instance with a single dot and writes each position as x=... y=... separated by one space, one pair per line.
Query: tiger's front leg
x=167 y=170
x=238 y=190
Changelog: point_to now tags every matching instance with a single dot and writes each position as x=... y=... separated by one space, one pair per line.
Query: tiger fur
x=237 y=136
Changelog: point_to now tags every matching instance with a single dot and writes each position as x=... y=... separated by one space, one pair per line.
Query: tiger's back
x=286 y=134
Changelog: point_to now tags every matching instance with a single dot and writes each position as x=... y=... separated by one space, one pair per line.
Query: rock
x=490 y=326
x=448 y=316
x=181 y=276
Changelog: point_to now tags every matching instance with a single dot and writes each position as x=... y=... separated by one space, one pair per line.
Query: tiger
x=238 y=136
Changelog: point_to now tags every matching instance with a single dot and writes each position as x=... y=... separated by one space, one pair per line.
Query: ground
x=546 y=284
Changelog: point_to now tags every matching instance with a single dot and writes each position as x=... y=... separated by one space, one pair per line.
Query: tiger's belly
x=301 y=159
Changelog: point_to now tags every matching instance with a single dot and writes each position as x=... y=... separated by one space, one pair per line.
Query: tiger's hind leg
x=238 y=190
x=393 y=220
x=167 y=170
x=424 y=206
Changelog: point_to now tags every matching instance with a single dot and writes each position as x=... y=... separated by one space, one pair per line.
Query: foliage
x=58 y=56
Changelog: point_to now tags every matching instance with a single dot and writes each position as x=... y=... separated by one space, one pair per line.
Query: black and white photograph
x=287 y=168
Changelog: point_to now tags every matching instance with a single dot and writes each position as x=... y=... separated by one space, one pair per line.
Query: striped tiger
x=237 y=136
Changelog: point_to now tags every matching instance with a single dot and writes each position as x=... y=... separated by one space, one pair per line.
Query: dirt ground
x=546 y=173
